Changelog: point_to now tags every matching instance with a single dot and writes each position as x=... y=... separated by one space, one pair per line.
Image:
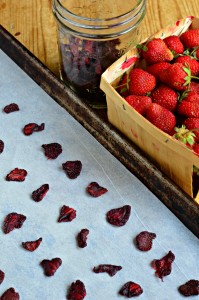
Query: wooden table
x=33 y=24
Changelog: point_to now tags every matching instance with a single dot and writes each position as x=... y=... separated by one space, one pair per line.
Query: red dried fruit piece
x=95 y=190
x=52 y=150
x=10 y=294
x=67 y=214
x=32 y=246
x=144 y=240
x=119 y=216
x=82 y=238
x=131 y=289
x=1 y=146
x=77 y=291
x=2 y=276
x=11 y=108
x=107 y=268
x=51 y=266
x=17 y=175
x=40 y=193
x=190 y=288
x=12 y=221
x=72 y=168
x=163 y=266
x=33 y=127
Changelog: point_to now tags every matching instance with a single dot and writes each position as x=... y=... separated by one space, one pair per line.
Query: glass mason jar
x=92 y=34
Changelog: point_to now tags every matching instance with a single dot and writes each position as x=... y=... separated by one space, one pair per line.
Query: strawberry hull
x=171 y=156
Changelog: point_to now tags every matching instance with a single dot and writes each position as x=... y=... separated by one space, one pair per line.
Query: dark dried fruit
x=1 y=146
x=11 y=108
x=2 y=276
x=77 y=291
x=51 y=266
x=82 y=238
x=190 y=288
x=144 y=240
x=32 y=245
x=119 y=216
x=72 y=168
x=107 y=268
x=67 y=214
x=12 y=221
x=95 y=190
x=33 y=127
x=163 y=266
x=16 y=175
x=52 y=150
x=10 y=294
x=40 y=193
x=131 y=289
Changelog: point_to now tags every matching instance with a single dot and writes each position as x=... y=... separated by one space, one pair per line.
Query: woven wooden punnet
x=170 y=155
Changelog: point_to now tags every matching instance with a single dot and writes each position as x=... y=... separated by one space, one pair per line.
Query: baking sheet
x=106 y=244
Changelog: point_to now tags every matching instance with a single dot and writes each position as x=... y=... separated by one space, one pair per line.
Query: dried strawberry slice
x=40 y=193
x=11 y=108
x=2 y=276
x=82 y=238
x=32 y=245
x=190 y=288
x=17 y=175
x=33 y=127
x=72 y=168
x=95 y=190
x=163 y=266
x=51 y=266
x=131 y=289
x=107 y=268
x=77 y=291
x=119 y=216
x=67 y=214
x=52 y=150
x=12 y=221
x=144 y=240
x=10 y=294
x=1 y=146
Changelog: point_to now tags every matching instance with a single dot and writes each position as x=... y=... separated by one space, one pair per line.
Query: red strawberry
x=165 y=96
x=174 y=44
x=139 y=103
x=189 y=62
x=190 y=38
x=196 y=149
x=10 y=294
x=155 y=69
x=144 y=240
x=141 y=82
x=194 y=87
x=191 y=124
x=156 y=51
x=191 y=97
x=122 y=88
x=176 y=76
x=188 y=109
x=161 y=117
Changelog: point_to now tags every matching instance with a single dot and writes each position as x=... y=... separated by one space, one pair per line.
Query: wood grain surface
x=33 y=24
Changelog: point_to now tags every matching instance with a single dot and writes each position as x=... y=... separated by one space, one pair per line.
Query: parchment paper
x=106 y=244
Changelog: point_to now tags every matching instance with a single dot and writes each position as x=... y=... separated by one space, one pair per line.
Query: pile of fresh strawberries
x=164 y=86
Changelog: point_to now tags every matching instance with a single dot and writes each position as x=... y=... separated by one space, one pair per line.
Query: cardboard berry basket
x=171 y=156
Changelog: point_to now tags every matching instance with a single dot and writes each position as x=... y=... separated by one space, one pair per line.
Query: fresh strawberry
x=165 y=96
x=190 y=38
x=184 y=135
x=196 y=148
x=193 y=125
x=156 y=51
x=155 y=69
x=123 y=87
x=141 y=82
x=174 y=44
x=139 y=103
x=189 y=62
x=161 y=117
x=190 y=96
x=194 y=87
x=177 y=76
x=188 y=109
